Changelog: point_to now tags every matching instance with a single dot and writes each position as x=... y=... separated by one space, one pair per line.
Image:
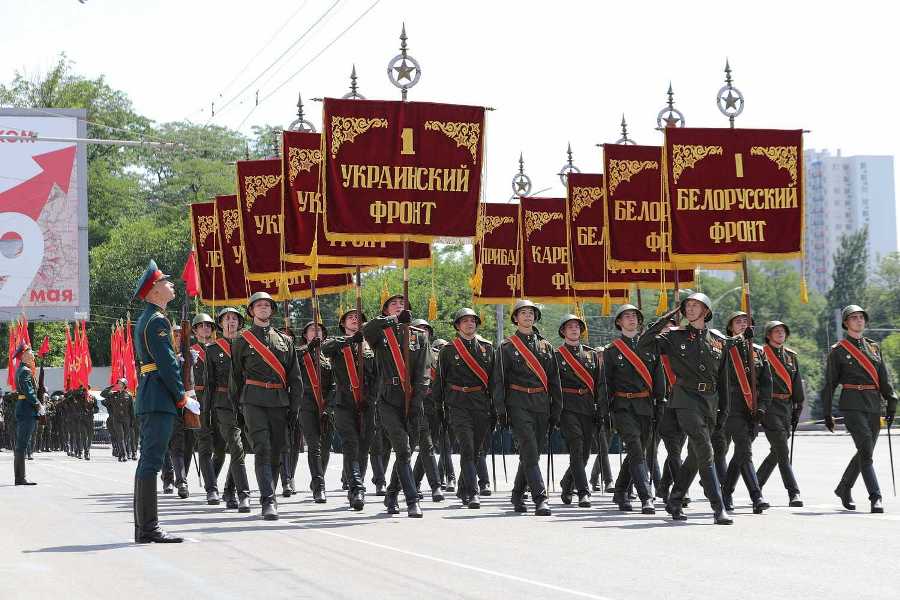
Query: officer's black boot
x=871 y=481
x=469 y=477
x=790 y=483
x=620 y=492
x=640 y=477
x=405 y=474
x=286 y=482
x=317 y=484
x=729 y=482
x=759 y=503
x=208 y=470
x=566 y=485
x=538 y=492
x=242 y=487
x=518 y=492
x=19 y=468
x=431 y=473
x=484 y=479
x=765 y=469
x=146 y=513
x=377 y=472
x=842 y=491
x=710 y=481
x=229 y=495
x=266 y=482
x=357 y=488
x=180 y=476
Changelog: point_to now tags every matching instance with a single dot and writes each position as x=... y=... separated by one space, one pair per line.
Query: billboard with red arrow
x=43 y=215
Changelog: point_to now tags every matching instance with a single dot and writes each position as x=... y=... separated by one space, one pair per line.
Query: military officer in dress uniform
x=401 y=367
x=745 y=413
x=315 y=409
x=857 y=365
x=161 y=396
x=227 y=416
x=27 y=409
x=429 y=422
x=266 y=385
x=581 y=378
x=527 y=395
x=697 y=359
x=210 y=446
x=354 y=400
x=784 y=411
x=462 y=386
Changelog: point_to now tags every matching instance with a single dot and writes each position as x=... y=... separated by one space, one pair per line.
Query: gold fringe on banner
x=385 y=294
x=804 y=291
x=432 y=307
x=745 y=297
x=607 y=305
x=476 y=280
x=662 y=306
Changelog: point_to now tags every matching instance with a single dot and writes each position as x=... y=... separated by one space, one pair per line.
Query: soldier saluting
x=210 y=446
x=857 y=365
x=161 y=395
x=315 y=417
x=527 y=394
x=266 y=385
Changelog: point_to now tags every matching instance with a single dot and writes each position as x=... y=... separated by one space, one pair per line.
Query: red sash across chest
x=470 y=361
x=576 y=366
x=531 y=360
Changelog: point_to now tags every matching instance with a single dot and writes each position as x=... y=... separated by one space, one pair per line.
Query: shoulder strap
x=267 y=355
x=470 y=361
x=579 y=369
x=667 y=367
x=225 y=345
x=313 y=375
x=738 y=363
x=635 y=361
x=397 y=355
x=531 y=360
x=352 y=373
x=779 y=368
x=201 y=351
x=863 y=359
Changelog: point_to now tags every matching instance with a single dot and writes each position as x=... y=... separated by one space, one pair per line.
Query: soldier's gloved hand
x=829 y=423
x=748 y=333
x=195 y=356
x=404 y=316
x=192 y=405
x=357 y=337
x=795 y=420
x=313 y=344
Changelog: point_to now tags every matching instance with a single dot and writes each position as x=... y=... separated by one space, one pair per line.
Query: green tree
x=849 y=277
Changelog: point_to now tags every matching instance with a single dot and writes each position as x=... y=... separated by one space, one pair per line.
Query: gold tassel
x=607 y=305
x=432 y=307
x=314 y=260
x=745 y=298
x=662 y=307
x=476 y=280
x=804 y=291
x=385 y=294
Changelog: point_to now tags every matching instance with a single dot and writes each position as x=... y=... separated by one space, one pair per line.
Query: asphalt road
x=71 y=537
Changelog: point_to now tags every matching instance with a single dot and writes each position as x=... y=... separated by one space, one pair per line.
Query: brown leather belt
x=467 y=390
x=859 y=388
x=222 y=388
x=700 y=387
x=644 y=394
x=264 y=384
x=576 y=391
x=781 y=396
x=199 y=388
x=527 y=390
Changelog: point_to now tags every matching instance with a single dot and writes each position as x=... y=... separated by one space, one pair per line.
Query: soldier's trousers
x=530 y=429
x=425 y=463
x=230 y=432
x=156 y=429
x=356 y=431
x=601 y=466
x=181 y=449
x=673 y=440
x=778 y=432
x=24 y=430
x=444 y=445
x=471 y=427
x=267 y=428
x=318 y=446
x=398 y=429
x=864 y=428
x=634 y=431
x=577 y=429
x=740 y=429
x=210 y=448
x=379 y=451
x=697 y=427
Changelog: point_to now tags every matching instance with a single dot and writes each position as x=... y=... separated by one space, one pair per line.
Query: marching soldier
x=118 y=404
x=745 y=413
x=401 y=367
x=181 y=444
x=697 y=359
x=354 y=400
x=633 y=383
x=210 y=445
x=582 y=385
x=315 y=412
x=429 y=422
x=27 y=409
x=857 y=365
x=784 y=411
x=462 y=388
x=527 y=396
x=226 y=415
x=266 y=385
x=672 y=436
x=161 y=395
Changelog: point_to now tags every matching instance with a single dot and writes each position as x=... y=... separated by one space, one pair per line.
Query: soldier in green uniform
x=697 y=358
x=181 y=443
x=428 y=422
x=266 y=385
x=784 y=411
x=582 y=385
x=315 y=411
x=161 y=395
x=857 y=365
x=527 y=395
x=118 y=404
x=354 y=400
x=226 y=416
x=462 y=389
x=401 y=364
x=210 y=445
x=745 y=413
x=27 y=409
x=634 y=383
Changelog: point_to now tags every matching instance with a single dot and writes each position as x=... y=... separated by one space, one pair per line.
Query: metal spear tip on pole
x=403 y=70
x=729 y=99
x=669 y=116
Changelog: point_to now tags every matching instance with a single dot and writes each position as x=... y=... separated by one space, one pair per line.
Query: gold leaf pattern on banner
x=685 y=156
x=464 y=134
x=207 y=225
x=624 y=170
x=536 y=219
x=584 y=197
x=345 y=129
x=783 y=156
x=231 y=218
x=488 y=223
x=302 y=159
x=258 y=185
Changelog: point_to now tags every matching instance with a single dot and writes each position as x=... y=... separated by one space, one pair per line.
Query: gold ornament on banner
x=464 y=134
x=346 y=129
x=584 y=197
x=232 y=221
x=257 y=185
x=783 y=156
x=685 y=156
x=623 y=170
x=302 y=159
x=535 y=220
x=208 y=226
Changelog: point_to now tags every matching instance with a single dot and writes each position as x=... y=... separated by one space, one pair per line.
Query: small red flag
x=189 y=276
x=45 y=347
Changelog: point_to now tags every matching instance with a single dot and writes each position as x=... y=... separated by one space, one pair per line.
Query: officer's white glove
x=195 y=356
x=193 y=406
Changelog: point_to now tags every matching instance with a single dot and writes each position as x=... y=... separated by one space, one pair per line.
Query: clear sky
x=557 y=72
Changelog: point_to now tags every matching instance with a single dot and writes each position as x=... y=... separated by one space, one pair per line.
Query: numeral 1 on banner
x=739 y=165
x=406 y=138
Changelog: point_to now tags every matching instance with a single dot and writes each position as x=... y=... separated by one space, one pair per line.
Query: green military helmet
x=849 y=310
x=423 y=324
x=773 y=324
x=384 y=304
x=260 y=296
x=310 y=324
x=525 y=303
x=347 y=313
x=465 y=312
x=232 y=310
x=202 y=318
x=735 y=315
x=570 y=317
x=626 y=307
x=702 y=299
x=439 y=343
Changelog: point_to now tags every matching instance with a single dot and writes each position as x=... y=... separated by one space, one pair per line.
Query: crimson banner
x=401 y=171
x=303 y=210
x=586 y=236
x=734 y=193
x=204 y=234
x=497 y=255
